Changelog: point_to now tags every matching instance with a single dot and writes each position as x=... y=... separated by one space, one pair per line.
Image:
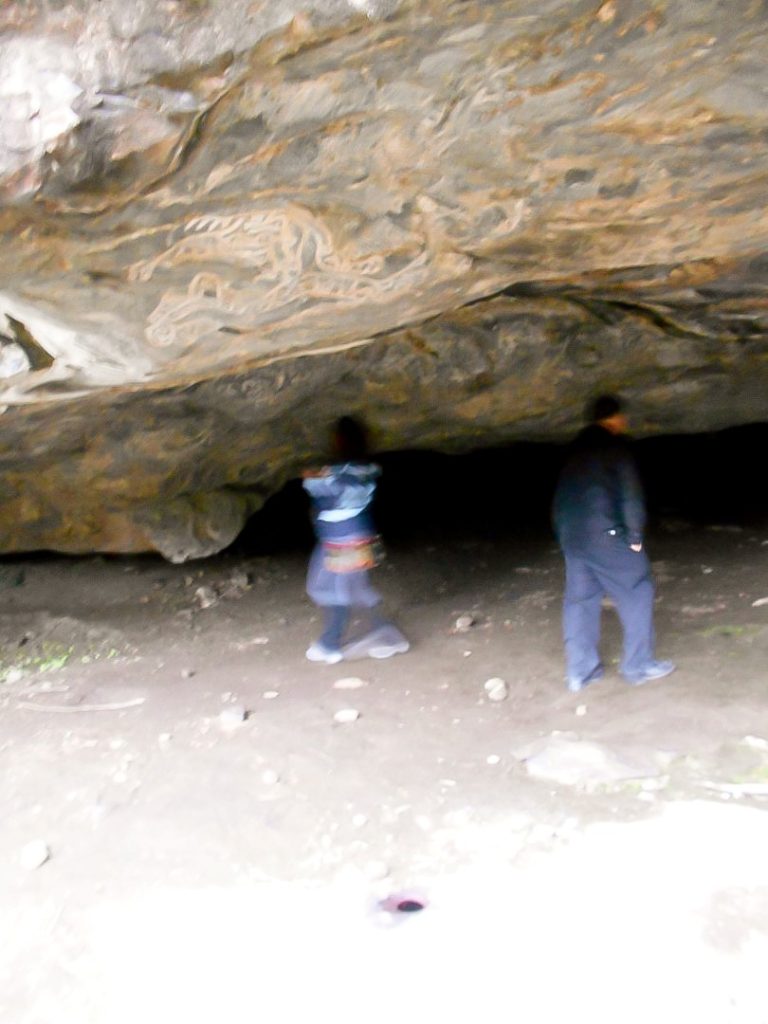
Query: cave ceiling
x=225 y=223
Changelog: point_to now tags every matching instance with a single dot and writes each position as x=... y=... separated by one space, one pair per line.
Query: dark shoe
x=574 y=684
x=656 y=670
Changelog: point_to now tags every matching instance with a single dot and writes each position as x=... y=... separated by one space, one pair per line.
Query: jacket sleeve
x=327 y=486
x=631 y=500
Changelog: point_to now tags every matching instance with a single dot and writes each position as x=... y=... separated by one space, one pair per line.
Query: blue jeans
x=607 y=566
x=336 y=621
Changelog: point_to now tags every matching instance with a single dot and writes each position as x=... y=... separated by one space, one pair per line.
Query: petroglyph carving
x=291 y=257
x=279 y=242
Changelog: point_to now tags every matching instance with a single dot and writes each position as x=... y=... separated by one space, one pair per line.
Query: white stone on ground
x=232 y=717
x=496 y=689
x=344 y=715
x=34 y=854
x=350 y=683
x=564 y=758
x=206 y=597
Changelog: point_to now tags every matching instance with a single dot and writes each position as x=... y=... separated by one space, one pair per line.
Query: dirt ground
x=600 y=855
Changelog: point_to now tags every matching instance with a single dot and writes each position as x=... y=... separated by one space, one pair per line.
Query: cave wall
x=224 y=224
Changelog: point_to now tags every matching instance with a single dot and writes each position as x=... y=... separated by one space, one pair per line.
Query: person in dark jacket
x=599 y=518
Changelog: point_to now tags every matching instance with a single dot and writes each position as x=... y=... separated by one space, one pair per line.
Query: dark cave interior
x=493 y=493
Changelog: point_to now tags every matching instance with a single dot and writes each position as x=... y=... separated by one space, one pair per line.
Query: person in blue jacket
x=347 y=547
x=599 y=518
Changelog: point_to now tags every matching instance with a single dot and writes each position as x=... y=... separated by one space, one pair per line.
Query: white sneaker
x=388 y=650
x=316 y=652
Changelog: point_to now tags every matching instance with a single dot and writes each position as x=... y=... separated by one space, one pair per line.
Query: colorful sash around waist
x=352 y=555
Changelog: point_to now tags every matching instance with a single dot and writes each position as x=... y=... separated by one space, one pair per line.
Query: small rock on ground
x=496 y=689
x=34 y=854
x=350 y=683
x=232 y=717
x=344 y=715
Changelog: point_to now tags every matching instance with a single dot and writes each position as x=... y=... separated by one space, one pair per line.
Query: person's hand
x=310 y=474
x=636 y=547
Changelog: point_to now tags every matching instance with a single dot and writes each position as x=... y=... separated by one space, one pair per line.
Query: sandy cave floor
x=601 y=854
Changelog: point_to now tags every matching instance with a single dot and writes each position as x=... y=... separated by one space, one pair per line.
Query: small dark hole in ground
x=409 y=906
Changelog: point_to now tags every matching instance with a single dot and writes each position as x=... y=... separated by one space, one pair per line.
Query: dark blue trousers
x=336 y=621
x=607 y=565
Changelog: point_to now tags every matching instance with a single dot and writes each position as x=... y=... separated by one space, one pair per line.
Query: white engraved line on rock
x=184 y=318
x=294 y=257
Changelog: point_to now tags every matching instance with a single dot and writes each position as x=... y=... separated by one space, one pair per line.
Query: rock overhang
x=457 y=219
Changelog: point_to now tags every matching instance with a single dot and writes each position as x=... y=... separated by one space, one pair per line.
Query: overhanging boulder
x=223 y=224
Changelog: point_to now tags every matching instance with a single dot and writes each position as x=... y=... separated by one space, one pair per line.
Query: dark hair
x=603 y=408
x=350 y=438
